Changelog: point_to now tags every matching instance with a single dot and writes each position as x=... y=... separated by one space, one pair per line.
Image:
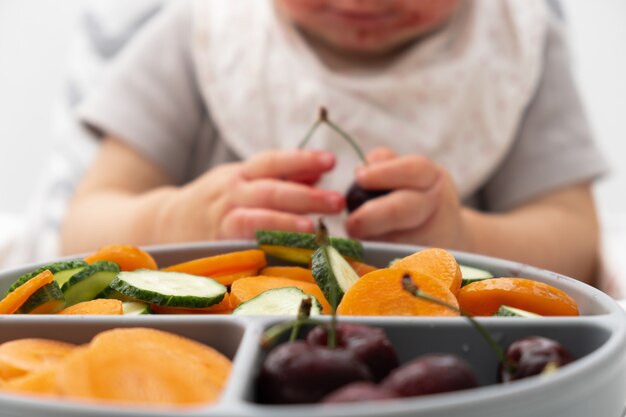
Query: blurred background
x=36 y=38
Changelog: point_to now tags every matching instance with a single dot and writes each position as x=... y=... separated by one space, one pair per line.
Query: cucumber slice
x=173 y=289
x=110 y=293
x=62 y=271
x=48 y=299
x=278 y=301
x=332 y=273
x=298 y=247
x=508 y=311
x=135 y=308
x=89 y=282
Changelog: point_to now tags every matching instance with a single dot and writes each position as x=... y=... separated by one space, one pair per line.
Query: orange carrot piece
x=129 y=258
x=245 y=289
x=24 y=356
x=380 y=293
x=483 y=298
x=14 y=300
x=293 y=272
x=228 y=279
x=98 y=306
x=222 y=265
x=360 y=268
x=223 y=307
x=144 y=366
x=438 y=263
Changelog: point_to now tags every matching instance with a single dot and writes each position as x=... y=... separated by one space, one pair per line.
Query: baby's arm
x=126 y=198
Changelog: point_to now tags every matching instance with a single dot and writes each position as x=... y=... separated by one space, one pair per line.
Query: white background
x=34 y=41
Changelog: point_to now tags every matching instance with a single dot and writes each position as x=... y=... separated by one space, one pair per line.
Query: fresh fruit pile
x=133 y=366
x=122 y=279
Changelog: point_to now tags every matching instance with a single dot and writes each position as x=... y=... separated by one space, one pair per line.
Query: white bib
x=456 y=96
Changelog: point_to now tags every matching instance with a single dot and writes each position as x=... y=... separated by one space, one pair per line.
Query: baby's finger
x=399 y=210
x=286 y=164
x=380 y=154
x=287 y=196
x=412 y=172
x=242 y=223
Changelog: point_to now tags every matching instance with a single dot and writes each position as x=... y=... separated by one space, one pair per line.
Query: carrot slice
x=98 y=306
x=14 y=300
x=144 y=366
x=380 y=293
x=293 y=272
x=228 y=279
x=129 y=258
x=246 y=289
x=483 y=298
x=24 y=356
x=222 y=265
x=223 y=307
x=360 y=268
x=438 y=263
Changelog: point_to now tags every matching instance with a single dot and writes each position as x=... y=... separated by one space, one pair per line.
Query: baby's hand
x=272 y=190
x=422 y=209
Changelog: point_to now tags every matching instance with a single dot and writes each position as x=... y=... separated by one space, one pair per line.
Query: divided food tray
x=595 y=384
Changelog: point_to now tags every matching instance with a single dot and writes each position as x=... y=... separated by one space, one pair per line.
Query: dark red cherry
x=357 y=196
x=296 y=373
x=530 y=356
x=431 y=374
x=369 y=344
x=357 y=392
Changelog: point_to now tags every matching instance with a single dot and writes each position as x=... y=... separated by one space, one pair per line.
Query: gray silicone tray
x=594 y=385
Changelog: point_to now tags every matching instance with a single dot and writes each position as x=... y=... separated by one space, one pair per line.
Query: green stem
x=410 y=286
x=309 y=134
x=349 y=139
x=304 y=311
x=271 y=335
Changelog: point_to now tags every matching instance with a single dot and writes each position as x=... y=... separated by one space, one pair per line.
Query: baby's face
x=368 y=26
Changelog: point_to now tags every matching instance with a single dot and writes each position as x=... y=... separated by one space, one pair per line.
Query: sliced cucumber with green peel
x=298 y=247
x=48 y=299
x=135 y=308
x=62 y=271
x=172 y=289
x=88 y=283
x=471 y=274
x=110 y=293
x=508 y=311
x=332 y=273
x=278 y=301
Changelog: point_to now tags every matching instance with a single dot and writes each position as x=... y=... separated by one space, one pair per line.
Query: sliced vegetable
x=62 y=271
x=48 y=299
x=470 y=272
x=227 y=265
x=135 y=308
x=361 y=268
x=508 y=311
x=293 y=272
x=173 y=289
x=15 y=299
x=483 y=298
x=380 y=293
x=88 y=283
x=42 y=382
x=109 y=292
x=332 y=273
x=245 y=289
x=223 y=307
x=24 y=356
x=278 y=301
x=100 y=306
x=438 y=263
x=299 y=247
x=129 y=258
x=144 y=366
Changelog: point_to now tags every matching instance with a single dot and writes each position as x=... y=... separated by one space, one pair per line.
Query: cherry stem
x=412 y=288
x=322 y=118
x=303 y=313
x=272 y=334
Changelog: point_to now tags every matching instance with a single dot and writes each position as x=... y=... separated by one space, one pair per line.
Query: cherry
x=431 y=374
x=369 y=344
x=359 y=391
x=297 y=372
x=531 y=355
x=357 y=196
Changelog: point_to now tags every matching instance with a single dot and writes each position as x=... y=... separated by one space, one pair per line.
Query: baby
x=466 y=109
